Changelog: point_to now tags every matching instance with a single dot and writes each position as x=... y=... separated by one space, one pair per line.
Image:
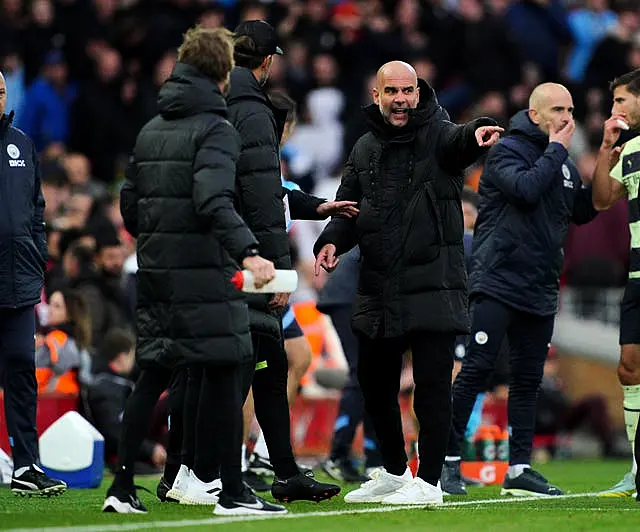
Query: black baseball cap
x=263 y=35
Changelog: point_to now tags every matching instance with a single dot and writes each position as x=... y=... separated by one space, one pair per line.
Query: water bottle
x=485 y=444
x=469 y=453
x=502 y=450
x=285 y=281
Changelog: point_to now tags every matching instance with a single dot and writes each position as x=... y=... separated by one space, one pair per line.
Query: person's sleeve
x=37 y=224
x=583 y=209
x=616 y=172
x=509 y=171
x=341 y=232
x=457 y=147
x=214 y=174
x=129 y=200
x=303 y=206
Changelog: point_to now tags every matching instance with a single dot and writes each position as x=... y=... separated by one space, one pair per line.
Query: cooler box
x=71 y=449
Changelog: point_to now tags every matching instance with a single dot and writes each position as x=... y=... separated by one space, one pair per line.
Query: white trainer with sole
x=380 y=486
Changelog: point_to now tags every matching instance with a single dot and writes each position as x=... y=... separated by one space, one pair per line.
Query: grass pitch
x=483 y=510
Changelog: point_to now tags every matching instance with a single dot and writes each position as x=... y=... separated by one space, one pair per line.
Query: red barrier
x=50 y=408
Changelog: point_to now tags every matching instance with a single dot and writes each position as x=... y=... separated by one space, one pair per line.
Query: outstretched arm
x=460 y=146
x=340 y=231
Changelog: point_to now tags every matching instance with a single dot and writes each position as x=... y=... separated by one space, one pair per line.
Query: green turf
x=82 y=508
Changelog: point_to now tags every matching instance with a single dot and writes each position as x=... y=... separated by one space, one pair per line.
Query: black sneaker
x=33 y=482
x=451 y=481
x=302 y=488
x=246 y=504
x=162 y=490
x=260 y=465
x=123 y=500
x=529 y=483
x=343 y=470
x=254 y=481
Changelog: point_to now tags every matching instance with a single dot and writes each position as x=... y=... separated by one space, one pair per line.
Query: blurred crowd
x=82 y=78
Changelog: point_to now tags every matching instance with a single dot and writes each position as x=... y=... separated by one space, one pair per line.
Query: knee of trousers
x=19 y=362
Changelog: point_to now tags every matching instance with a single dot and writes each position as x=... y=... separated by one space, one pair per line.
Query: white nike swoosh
x=253 y=505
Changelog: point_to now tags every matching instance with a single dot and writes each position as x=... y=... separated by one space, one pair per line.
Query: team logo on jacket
x=481 y=337
x=566 y=173
x=14 y=153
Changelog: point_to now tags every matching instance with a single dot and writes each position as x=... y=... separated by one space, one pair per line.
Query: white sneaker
x=202 y=493
x=418 y=492
x=380 y=486
x=180 y=484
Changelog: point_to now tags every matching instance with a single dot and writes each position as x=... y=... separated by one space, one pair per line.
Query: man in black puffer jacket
x=406 y=175
x=260 y=125
x=23 y=255
x=530 y=191
x=179 y=203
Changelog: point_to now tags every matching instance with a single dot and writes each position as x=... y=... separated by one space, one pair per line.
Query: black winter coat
x=408 y=182
x=259 y=186
x=530 y=191
x=179 y=203
x=340 y=289
x=23 y=244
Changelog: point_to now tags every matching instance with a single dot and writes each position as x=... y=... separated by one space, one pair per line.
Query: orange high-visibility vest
x=48 y=380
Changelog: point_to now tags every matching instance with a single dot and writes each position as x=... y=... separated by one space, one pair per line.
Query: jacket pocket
x=424 y=233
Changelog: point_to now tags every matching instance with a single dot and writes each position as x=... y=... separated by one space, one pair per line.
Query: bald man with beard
x=406 y=174
x=530 y=191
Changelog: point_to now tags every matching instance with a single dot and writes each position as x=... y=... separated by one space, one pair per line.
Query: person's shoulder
x=364 y=142
x=17 y=134
x=631 y=146
x=19 y=138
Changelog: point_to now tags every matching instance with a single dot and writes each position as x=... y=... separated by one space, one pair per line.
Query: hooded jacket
x=23 y=243
x=530 y=191
x=408 y=182
x=179 y=203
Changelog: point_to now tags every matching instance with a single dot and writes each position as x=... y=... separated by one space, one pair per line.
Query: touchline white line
x=136 y=525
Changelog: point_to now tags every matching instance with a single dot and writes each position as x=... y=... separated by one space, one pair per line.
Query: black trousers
x=379 y=369
x=153 y=380
x=529 y=336
x=216 y=431
x=270 y=400
x=17 y=366
x=351 y=408
x=218 y=426
x=176 y=408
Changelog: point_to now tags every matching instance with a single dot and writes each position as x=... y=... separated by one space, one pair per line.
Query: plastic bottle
x=485 y=444
x=502 y=450
x=285 y=281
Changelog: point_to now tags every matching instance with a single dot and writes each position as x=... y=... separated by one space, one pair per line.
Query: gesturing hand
x=326 y=259
x=487 y=136
x=346 y=209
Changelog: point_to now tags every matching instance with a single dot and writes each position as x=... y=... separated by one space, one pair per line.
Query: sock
x=516 y=470
x=631 y=406
x=243 y=458
x=261 y=447
x=19 y=472
x=452 y=458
